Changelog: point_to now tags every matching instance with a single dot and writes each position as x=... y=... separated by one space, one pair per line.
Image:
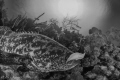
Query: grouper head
x=56 y=58
x=60 y=64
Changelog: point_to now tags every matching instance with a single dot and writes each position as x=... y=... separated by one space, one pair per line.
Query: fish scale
x=47 y=54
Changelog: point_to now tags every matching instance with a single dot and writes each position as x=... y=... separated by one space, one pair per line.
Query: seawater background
x=102 y=14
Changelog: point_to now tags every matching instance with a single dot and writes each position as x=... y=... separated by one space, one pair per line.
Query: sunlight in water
x=68 y=7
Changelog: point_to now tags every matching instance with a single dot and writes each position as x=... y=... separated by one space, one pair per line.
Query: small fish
x=47 y=54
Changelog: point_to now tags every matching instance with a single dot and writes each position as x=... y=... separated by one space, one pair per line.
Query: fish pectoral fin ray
x=33 y=64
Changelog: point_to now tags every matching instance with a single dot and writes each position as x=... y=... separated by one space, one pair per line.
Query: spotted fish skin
x=5 y=31
x=47 y=54
x=13 y=59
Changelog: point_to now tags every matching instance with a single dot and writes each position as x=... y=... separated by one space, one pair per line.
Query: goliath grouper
x=47 y=55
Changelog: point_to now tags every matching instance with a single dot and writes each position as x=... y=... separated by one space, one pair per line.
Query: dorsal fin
x=27 y=32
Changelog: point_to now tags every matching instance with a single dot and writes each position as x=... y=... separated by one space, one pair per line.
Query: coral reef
x=101 y=62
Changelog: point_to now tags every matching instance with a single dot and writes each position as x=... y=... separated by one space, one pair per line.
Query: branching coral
x=107 y=65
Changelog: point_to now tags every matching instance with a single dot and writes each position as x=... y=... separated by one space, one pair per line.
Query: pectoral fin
x=76 y=56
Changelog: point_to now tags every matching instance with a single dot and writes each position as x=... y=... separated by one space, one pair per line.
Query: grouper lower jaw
x=75 y=56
